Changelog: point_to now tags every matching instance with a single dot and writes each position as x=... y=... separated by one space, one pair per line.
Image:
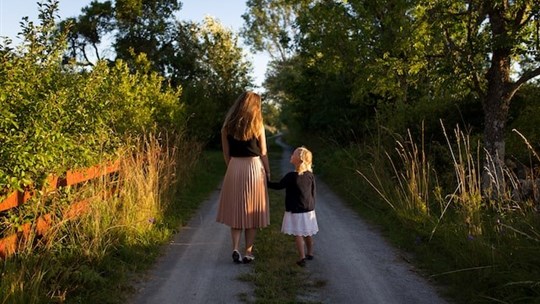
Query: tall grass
x=482 y=245
x=86 y=258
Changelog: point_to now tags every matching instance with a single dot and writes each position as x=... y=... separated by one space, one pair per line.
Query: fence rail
x=10 y=243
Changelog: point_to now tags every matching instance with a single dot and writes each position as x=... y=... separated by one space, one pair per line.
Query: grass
x=479 y=249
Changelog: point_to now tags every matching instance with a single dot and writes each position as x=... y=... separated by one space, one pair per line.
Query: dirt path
x=356 y=263
x=197 y=266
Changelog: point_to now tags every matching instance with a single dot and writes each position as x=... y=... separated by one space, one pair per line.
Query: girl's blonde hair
x=244 y=120
x=306 y=157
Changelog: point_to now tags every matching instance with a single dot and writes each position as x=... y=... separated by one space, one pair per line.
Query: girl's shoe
x=236 y=257
x=301 y=263
x=309 y=257
x=248 y=259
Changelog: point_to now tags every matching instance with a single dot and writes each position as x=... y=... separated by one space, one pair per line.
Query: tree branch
x=528 y=75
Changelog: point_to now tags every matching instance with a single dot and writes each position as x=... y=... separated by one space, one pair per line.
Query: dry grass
x=91 y=254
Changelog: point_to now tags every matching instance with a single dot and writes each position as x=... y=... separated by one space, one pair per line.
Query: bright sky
x=229 y=12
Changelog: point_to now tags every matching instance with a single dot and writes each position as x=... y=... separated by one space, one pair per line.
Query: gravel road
x=355 y=262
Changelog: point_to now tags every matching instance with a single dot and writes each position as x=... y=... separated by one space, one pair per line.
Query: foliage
x=269 y=26
x=224 y=76
x=55 y=116
x=204 y=59
x=398 y=59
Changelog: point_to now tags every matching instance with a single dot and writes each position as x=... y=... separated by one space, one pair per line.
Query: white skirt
x=300 y=224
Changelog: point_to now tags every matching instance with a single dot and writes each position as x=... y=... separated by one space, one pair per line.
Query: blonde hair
x=306 y=157
x=244 y=119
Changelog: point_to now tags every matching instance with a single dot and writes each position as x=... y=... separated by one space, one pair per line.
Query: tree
x=269 y=26
x=487 y=41
x=146 y=26
x=223 y=73
x=88 y=30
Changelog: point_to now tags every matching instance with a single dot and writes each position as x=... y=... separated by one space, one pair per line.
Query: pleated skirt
x=243 y=201
x=300 y=224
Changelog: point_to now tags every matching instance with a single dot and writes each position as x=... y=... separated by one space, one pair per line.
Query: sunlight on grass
x=90 y=256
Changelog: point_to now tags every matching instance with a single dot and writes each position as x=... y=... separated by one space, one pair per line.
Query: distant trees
x=205 y=59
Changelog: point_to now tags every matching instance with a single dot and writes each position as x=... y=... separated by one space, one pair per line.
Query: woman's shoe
x=236 y=257
x=301 y=263
x=248 y=259
x=309 y=257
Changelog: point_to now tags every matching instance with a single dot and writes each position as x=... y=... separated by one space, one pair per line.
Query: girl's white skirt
x=300 y=224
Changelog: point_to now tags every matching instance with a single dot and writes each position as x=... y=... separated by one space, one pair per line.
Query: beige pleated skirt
x=243 y=201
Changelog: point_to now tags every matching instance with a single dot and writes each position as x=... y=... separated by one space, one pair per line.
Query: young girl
x=299 y=219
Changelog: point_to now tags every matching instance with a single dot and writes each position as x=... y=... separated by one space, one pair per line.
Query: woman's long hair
x=244 y=119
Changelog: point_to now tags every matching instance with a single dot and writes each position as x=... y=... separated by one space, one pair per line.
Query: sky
x=229 y=13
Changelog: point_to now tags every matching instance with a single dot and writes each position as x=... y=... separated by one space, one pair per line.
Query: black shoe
x=301 y=263
x=236 y=257
x=309 y=257
x=248 y=259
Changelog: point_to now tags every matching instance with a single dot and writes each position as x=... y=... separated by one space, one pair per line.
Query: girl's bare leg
x=309 y=244
x=300 y=246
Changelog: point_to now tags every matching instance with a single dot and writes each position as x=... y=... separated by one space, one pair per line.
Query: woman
x=243 y=202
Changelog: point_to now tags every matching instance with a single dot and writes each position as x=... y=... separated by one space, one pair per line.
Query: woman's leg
x=235 y=235
x=250 y=240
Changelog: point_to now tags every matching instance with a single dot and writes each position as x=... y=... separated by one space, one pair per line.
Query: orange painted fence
x=9 y=244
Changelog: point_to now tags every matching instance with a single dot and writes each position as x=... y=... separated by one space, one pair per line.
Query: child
x=299 y=218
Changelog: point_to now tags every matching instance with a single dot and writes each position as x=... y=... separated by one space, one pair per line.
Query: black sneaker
x=309 y=257
x=248 y=259
x=301 y=263
x=236 y=257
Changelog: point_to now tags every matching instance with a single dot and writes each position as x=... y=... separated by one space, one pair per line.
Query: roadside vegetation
x=477 y=249
x=58 y=114
x=91 y=257
x=424 y=116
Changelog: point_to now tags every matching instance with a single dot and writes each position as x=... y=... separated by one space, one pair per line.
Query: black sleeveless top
x=243 y=148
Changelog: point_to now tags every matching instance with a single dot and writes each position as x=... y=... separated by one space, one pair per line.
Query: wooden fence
x=10 y=243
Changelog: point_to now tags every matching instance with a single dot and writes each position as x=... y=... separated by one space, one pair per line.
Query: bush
x=55 y=116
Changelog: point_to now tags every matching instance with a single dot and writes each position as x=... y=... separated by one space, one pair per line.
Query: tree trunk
x=496 y=104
